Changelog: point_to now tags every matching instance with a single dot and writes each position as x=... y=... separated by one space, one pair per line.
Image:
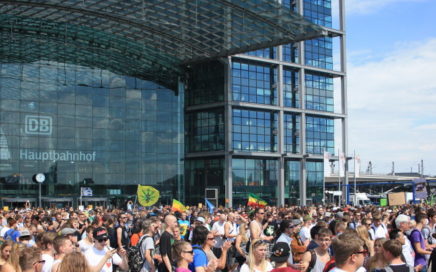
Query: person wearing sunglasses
x=183 y=255
x=349 y=253
x=201 y=263
x=30 y=260
x=101 y=257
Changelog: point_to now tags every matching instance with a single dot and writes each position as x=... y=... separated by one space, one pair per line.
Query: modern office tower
x=198 y=99
x=260 y=121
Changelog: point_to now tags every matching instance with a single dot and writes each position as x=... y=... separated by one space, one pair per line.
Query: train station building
x=207 y=98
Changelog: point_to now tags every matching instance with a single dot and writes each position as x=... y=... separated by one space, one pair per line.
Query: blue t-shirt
x=12 y=235
x=200 y=258
x=184 y=226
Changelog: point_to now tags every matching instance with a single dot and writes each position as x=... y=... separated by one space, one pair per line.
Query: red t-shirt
x=285 y=269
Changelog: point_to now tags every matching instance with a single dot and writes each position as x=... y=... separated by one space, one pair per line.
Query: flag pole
x=355 y=185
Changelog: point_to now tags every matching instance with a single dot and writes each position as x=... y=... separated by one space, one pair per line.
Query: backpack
x=135 y=257
x=330 y=265
x=389 y=269
x=312 y=260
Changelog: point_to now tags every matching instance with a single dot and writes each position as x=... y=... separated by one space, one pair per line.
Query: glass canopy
x=144 y=38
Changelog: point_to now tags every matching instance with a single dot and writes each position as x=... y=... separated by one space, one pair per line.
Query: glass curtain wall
x=83 y=125
x=258 y=176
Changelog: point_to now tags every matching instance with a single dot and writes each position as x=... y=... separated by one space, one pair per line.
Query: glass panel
x=258 y=130
x=259 y=176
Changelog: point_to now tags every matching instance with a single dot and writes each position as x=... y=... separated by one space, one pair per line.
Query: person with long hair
x=200 y=261
x=208 y=246
x=183 y=255
x=146 y=244
x=241 y=244
x=5 y=257
x=257 y=258
x=377 y=262
x=362 y=232
x=74 y=262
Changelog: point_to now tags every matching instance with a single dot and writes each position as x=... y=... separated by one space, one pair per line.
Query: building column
x=228 y=180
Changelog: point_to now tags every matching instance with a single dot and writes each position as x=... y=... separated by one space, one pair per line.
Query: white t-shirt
x=380 y=231
x=48 y=262
x=94 y=256
x=3 y=231
x=84 y=246
x=219 y=228
x=408 y=253
x=246 y=268
x=305 y=234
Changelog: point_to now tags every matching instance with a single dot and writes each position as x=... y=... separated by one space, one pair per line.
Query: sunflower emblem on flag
x=147 y=195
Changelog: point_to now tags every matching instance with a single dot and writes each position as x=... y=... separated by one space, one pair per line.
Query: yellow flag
x=147 y=195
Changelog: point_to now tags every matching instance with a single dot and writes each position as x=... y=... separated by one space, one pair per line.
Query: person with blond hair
x=74 y=262
x=362 y=232
x=377 y=261
x=257 y=258
x=183 y=255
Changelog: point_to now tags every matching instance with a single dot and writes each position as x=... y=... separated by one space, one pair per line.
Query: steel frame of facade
x=280 y=155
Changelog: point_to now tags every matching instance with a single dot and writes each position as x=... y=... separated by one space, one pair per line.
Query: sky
x=391 y=77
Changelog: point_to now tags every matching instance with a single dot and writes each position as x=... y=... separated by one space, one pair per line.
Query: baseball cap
x=24 y=233
x=100 y=233
x=296 y=222
x=67 y=231
x=201 y=219
x=280 y=252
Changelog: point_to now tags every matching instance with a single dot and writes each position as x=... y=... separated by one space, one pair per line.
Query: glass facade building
x=281 y=111
x=81 y=126
x=185 y=110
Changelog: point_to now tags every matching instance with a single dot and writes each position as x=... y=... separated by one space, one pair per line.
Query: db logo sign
x=38 y=125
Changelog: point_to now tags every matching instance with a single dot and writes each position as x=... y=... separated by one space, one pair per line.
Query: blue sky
x=391 y=48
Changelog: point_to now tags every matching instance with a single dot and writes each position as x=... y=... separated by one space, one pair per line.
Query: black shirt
x=166 y=241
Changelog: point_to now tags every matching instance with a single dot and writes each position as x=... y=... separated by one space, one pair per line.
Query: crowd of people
x=246 y=239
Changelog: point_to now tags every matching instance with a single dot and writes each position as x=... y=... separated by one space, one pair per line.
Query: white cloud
x=370 y=6
x=392 y=108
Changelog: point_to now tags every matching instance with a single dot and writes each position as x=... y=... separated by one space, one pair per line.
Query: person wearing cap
x=280 y=255
x=101 y=257
x=71 y=234
x=297 y=246
x=25 y=237
x=198 y=221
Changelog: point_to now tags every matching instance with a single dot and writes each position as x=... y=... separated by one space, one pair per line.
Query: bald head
x=170 y=222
